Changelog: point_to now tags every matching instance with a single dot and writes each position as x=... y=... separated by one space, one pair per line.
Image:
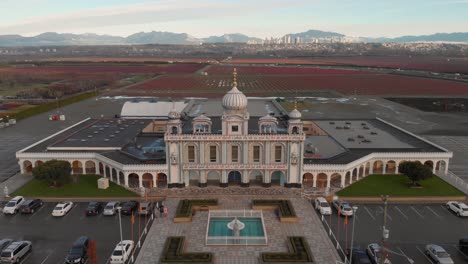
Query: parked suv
x=129 y=207
x=322 y=205
x=79 y=251
x=15 y=252
x=94 y=208
x=146 y=208
x=111 y=208
x=30 y=206
x=13 y=205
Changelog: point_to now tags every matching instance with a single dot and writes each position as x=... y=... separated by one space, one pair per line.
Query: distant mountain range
x=158 y=37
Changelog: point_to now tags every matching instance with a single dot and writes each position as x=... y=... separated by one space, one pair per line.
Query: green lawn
x=86 y=187
x=397 y=185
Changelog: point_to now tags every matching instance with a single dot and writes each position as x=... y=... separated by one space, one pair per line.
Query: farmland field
x=275 y=70
x=276 y=85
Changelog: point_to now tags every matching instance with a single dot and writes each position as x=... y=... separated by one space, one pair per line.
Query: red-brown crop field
x=277 y=70
x=270 y=85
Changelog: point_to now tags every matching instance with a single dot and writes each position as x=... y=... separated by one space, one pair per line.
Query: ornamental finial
x=234 y=76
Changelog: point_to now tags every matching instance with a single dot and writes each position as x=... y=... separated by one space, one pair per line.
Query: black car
x=463 y=245
x=129 y=207
x=94 y=208
x=359 y=257
x=30 y=206
x=78 y=253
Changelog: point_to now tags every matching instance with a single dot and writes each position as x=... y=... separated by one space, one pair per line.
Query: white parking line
x=459 y=251
x=23 y=260
x=416 y=211
x=370 y=214
x=35 y=213
x=436 y=214
x=44 y=260
x=405 y=216
x=424 y=254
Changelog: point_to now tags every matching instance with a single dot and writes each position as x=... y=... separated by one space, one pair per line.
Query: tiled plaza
x=308 y=225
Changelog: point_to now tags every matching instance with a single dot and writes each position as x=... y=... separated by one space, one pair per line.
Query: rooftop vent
x=122 y=128
x=373 y=133
x=117 y=131
x=366 y=128
x=95 y=132
x=90 y=136
x=366 y=141
x=339 y=127
x=111 y=136
x=346 y=127
x=83 y=139
x=351 y=139
x=106 y=139
x=360 y=136
x=348 y=123
x=332 y=123
x=101 y=128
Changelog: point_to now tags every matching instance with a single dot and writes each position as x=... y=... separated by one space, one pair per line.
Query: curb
x=403 y=200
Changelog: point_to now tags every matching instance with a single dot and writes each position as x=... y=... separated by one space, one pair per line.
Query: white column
x=328 y=180
x=371 y=167
x=350 y=177
x=83 y=167
x=155 y=177
x=125 y=178
x=343 y=179
x=315 y=180
x=96 y=168
x=140 y=179
x=384 y=168
x=21 y=165
x=446 y=167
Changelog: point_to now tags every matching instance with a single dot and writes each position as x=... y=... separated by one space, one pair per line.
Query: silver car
x=16 y=252
x=111 y=208
x=438 y=254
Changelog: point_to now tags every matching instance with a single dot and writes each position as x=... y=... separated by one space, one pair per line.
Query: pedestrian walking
x=165 y=211
x=161 y=211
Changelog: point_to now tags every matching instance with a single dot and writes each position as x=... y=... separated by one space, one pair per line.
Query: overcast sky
x=260 y=18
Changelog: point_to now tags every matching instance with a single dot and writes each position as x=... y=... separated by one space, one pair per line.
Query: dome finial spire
x=234 y=77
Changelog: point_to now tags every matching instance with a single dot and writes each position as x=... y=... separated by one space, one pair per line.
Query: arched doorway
x=101 y=168
x=161 y=180
x=133 y=180
x=256 y=178
x=440 y=166
x=322 y=180
x=335 y=180
x=377 y=167
x=366 y=171
x=234 y=178
x=361 y=172
x=114 y=175
x=308 y=180
x=194 y=178
x=77 y=167
x=27 y=166
x=90 y=167
x=277 y=178
x=213 y=178
x=121 y=178
x=147 y=180
x=38 y=163
x=430 y=164
x=391 y=167
x=348 y=177
x=354 y=175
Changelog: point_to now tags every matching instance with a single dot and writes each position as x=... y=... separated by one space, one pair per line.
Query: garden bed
x=186 y=208
x=285 y=208
x=298 y=252
x=173 y=253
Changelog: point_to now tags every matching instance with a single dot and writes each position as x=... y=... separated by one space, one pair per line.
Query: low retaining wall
x=194 y=209
x=283 y=219
x=424 y=199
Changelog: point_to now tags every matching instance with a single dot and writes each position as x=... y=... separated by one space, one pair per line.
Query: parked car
x=4 y=243
x=438 y=254
x=111 y=208
x=30 y=206
x=343 y=208
x=145 y=208
x=359 y=256
x=129 y=207
x=122 y=252
x=15 y=252
x=62 y=208
x=94 y=208
x=459 y=208
x=375 y=253
x=78 y=253
x=12 y=207
x=322 y=205
x=463 y=244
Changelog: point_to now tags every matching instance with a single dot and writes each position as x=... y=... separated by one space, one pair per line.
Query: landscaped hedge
x=52 y=105
x=298 y=252
x=184 y=209
x=172 y=253
x=284 y=206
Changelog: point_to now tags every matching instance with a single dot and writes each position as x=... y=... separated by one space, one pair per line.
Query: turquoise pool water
x=253 y=227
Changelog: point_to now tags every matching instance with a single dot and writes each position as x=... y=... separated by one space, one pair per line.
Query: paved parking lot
x=411 y=228
x=52 y=237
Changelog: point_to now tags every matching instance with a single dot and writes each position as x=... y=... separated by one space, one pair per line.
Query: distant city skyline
x=260 y=18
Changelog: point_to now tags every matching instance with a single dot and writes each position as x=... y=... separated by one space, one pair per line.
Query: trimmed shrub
x=285 y=207
x=172 y=253
x=184 y=209
x=298 y=252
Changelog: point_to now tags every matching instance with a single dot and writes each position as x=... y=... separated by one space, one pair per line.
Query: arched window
x=174 y=130
x=295 y=130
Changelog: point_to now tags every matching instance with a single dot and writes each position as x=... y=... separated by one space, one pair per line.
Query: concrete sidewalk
x=14 y=183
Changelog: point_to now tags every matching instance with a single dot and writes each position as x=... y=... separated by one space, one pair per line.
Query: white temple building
x=235 y=141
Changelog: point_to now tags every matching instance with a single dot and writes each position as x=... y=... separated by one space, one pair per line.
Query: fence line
x=454 y=180
x=141 y=239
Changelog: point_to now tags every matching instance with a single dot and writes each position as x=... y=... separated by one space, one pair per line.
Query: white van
x=323 y=206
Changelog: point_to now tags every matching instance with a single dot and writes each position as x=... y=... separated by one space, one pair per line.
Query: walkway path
x=308 y=225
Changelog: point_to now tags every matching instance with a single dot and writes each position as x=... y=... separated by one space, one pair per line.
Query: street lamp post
x=385 y=231
x=352 y=234
x=121 y=237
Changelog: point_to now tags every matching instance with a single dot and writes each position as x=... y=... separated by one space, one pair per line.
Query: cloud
x=141 y=13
